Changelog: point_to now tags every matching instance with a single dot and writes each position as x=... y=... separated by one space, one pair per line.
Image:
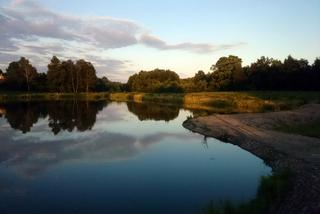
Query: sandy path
x=279 y=150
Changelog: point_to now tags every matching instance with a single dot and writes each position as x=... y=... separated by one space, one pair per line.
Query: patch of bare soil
x=253 y=132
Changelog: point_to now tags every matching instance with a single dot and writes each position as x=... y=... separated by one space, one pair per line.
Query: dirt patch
x=253 y=132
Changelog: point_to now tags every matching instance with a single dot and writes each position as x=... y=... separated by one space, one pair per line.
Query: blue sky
x=122 y=37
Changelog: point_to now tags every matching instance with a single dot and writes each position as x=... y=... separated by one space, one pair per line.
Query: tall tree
x=54 y=75
x=21 y=74
x=29 y=72
x=227 y=73
x=87 y=75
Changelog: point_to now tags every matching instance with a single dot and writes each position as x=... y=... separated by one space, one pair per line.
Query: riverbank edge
x=304 y=196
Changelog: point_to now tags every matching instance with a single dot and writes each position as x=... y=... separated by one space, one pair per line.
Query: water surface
x=99 y=157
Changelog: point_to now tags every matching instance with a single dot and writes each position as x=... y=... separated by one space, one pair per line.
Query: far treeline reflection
x=70 y=115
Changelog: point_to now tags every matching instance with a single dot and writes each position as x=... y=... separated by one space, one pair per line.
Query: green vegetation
x=227 y=74
x=311 y=129
x=67 y=76
x=156 y=81
x=270 y=192
x=219 y=102
x=21 y=75
x=61 y=77
x=262 y=101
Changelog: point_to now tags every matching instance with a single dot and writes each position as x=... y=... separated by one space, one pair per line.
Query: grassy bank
x=227 y=102
x=219 y=102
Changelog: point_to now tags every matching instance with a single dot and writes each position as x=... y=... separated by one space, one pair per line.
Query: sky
x=122 y=37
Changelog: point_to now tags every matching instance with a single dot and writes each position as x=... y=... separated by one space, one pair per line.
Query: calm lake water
x=98 y=157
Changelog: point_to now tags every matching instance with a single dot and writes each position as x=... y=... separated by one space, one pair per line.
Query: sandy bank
x=253 y=132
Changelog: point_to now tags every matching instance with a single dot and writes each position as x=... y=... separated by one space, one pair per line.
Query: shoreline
x=281 y=151
x=213 y=102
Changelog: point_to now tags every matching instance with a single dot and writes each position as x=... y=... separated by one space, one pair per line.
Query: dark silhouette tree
x=20 y=74
x=86 y=75
x=67 y=76
x=55 y=75
x=227 y=74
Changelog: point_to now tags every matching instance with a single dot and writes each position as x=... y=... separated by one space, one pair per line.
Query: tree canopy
x=21 y=75
x=67 y=76
x=155 y=81
x=226 y=74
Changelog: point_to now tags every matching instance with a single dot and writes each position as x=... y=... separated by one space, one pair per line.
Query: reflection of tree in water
x=73 y=114
x=152 y=111
x=63 y=115
x=23 y=115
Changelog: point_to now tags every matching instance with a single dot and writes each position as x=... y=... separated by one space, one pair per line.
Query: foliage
x=68 y=76
x=264 y=74
x=292 y=74
x=227 y=74
x=20 y=75
x=104 y=84
x=156 y=81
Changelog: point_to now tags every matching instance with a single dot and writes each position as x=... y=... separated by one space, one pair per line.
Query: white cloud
x=29 y=20
x=158 y=43
x=30 y=29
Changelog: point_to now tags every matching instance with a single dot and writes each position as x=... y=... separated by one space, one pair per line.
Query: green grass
x=311 y=129
x=253 y=101
x=270 y=191
x=215 y=102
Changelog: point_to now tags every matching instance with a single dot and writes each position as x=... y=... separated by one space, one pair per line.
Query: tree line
x=225 y=75
x=61 y=77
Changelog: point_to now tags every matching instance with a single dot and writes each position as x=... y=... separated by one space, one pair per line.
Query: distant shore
x=282 y=151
